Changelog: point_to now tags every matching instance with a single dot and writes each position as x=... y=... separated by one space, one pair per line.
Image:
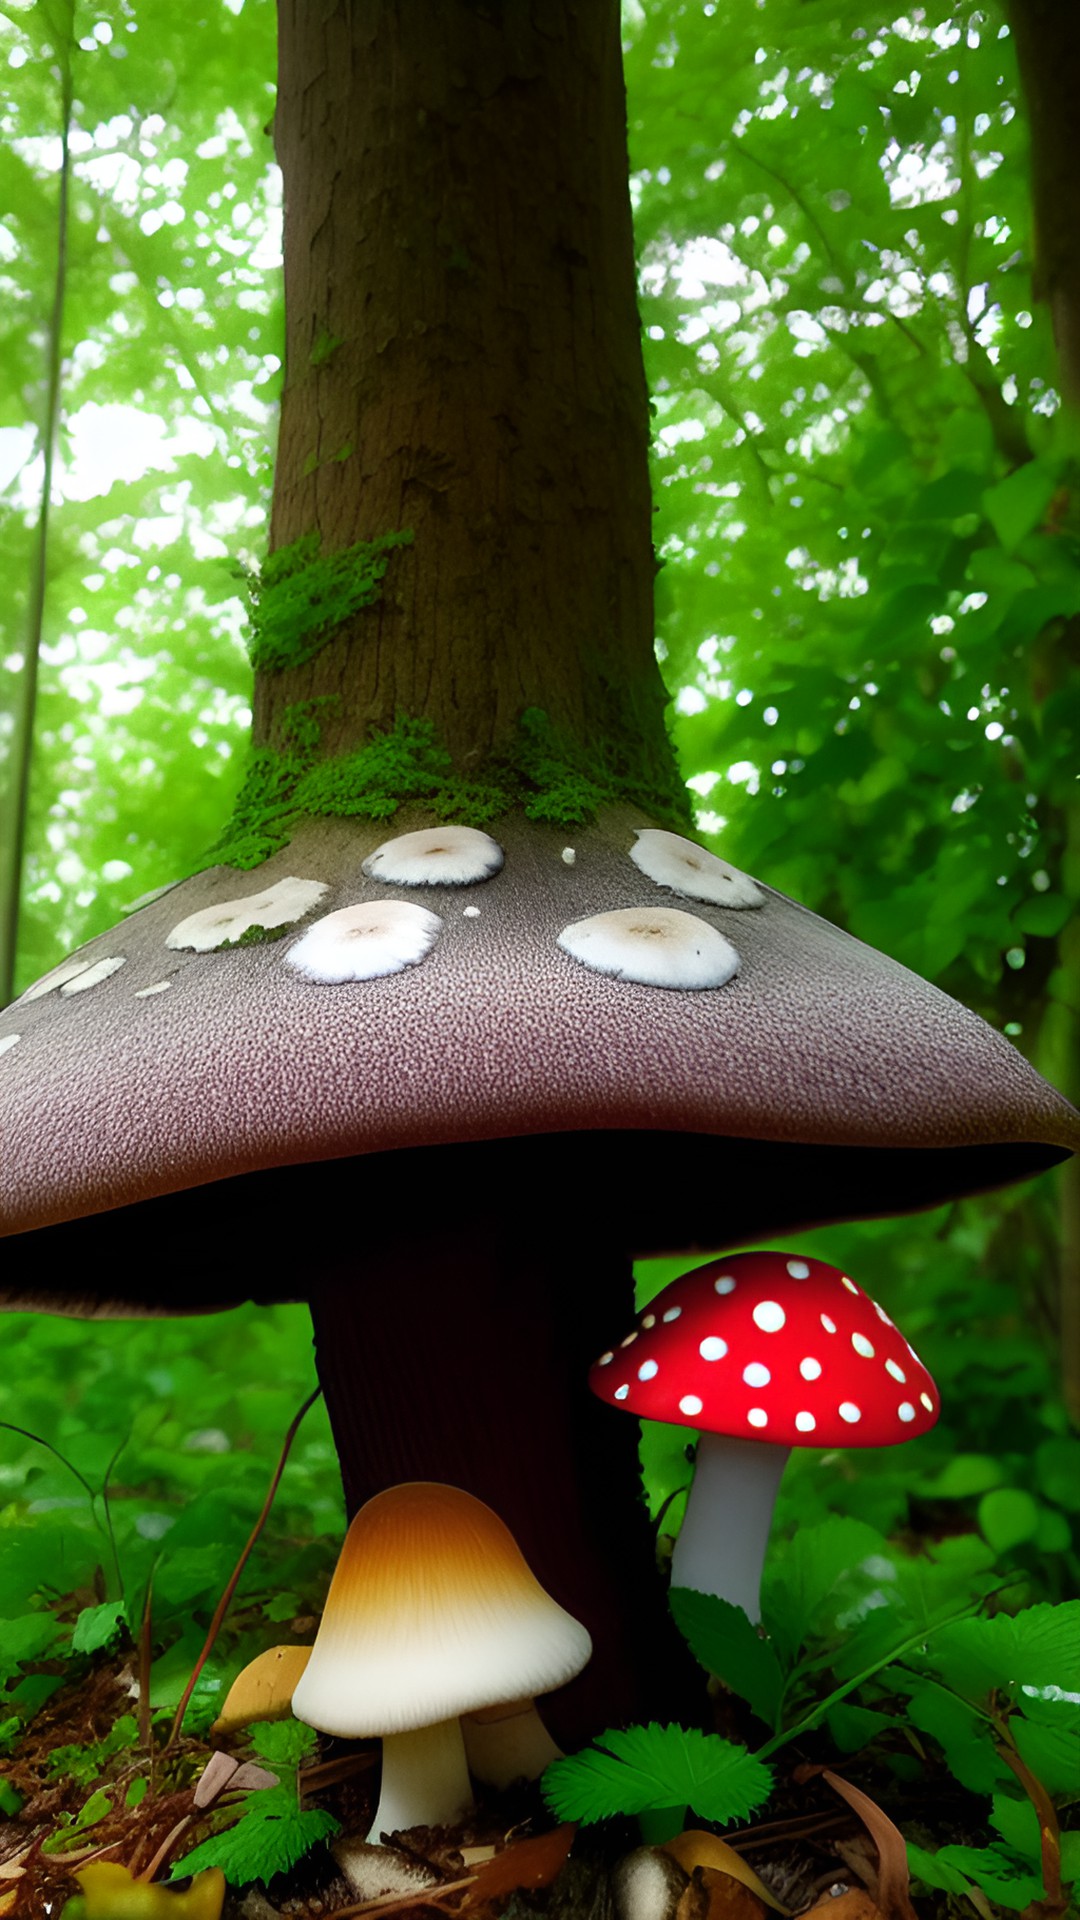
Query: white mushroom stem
x=722 y=1540
x=507 y=1743
x=425 y=1780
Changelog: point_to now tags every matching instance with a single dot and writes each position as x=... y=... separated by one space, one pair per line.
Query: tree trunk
x=463 y=361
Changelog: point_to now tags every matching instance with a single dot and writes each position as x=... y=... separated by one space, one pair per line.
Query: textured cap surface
x=180 y=1068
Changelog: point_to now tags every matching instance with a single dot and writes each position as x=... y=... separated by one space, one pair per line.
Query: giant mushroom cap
x=839 y=1083
x=386 y=1106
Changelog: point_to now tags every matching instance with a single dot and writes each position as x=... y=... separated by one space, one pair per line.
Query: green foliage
x=543 y=774
x=642 y=1769
x=98 y=1627
x=847 y=1607
x=301 y=597
x=197 y=1409
x=273 y=1831
x=83 y=1764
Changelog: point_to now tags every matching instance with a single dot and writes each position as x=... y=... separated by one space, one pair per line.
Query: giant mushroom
x=437 y=1100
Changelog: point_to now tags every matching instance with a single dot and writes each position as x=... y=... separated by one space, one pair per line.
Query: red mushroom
x=762 y=1352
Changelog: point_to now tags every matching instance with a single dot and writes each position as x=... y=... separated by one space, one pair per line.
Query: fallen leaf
x=894 y=1886
x=853 y=1905
x=729 y=1898
x=696 y=1848
x=525 y=1863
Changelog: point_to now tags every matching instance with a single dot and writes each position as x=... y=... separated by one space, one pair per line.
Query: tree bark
x=463 y=360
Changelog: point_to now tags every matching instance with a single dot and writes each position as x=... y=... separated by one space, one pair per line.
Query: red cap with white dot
x=774 y=1347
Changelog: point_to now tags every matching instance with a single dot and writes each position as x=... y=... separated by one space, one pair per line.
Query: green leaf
x=641 y=1769
x=1057 y=1466
x=962 y=1735
x=1018 y=1824
x=1050 y=1752
x=1018 y=503
x=266 y=1841
x=723 y=1640
x=283 y=1743
x=827 y=1570
x=995 y=1872
x=98 y=1627
x=1044 y=915
x=854 y=1727
x=28 y=1638
x=94 y=1809
x=1008 y=1517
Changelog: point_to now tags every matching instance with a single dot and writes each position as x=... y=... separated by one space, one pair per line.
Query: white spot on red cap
x=690 y=1405
x=629 y=1341
x=769 y=1315
x=756 y=1375
x=927 y=1402
x=605 y=1360
x=849 y=1411
x=798 y=1269
x=862 y=1345
x=757 y=1417
x=725 y=1284
x=673 y=1313
x=810 y=1368
x=905 y=1410
x=621 y=1392
x=648 y=1320
x=648 y=1370
x=881 y=1314
x=829 y=1325
x=712 y=1347
x=896 y=1372
x=805 y=1422
x=849 y=1284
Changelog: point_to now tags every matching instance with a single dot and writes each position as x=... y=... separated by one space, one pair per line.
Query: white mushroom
x=432 y=1613
x=365 y=942
x=656 y=946
x=692 y=871
x=436 y=857
x=227 y=922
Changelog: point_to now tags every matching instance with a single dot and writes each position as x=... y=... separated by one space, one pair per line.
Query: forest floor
x=508 y=1858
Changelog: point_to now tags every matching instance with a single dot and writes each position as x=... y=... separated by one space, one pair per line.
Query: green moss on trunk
x=544 y=776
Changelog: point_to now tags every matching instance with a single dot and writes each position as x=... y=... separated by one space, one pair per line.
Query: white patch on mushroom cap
x=58 y=977
x=159 y=986
x=223 y=925
x=90 y=976
x=365 y=942
x=9 y=1040
x=692 y=871
x=569 y=855
x=654 y=946
x=436 y=857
